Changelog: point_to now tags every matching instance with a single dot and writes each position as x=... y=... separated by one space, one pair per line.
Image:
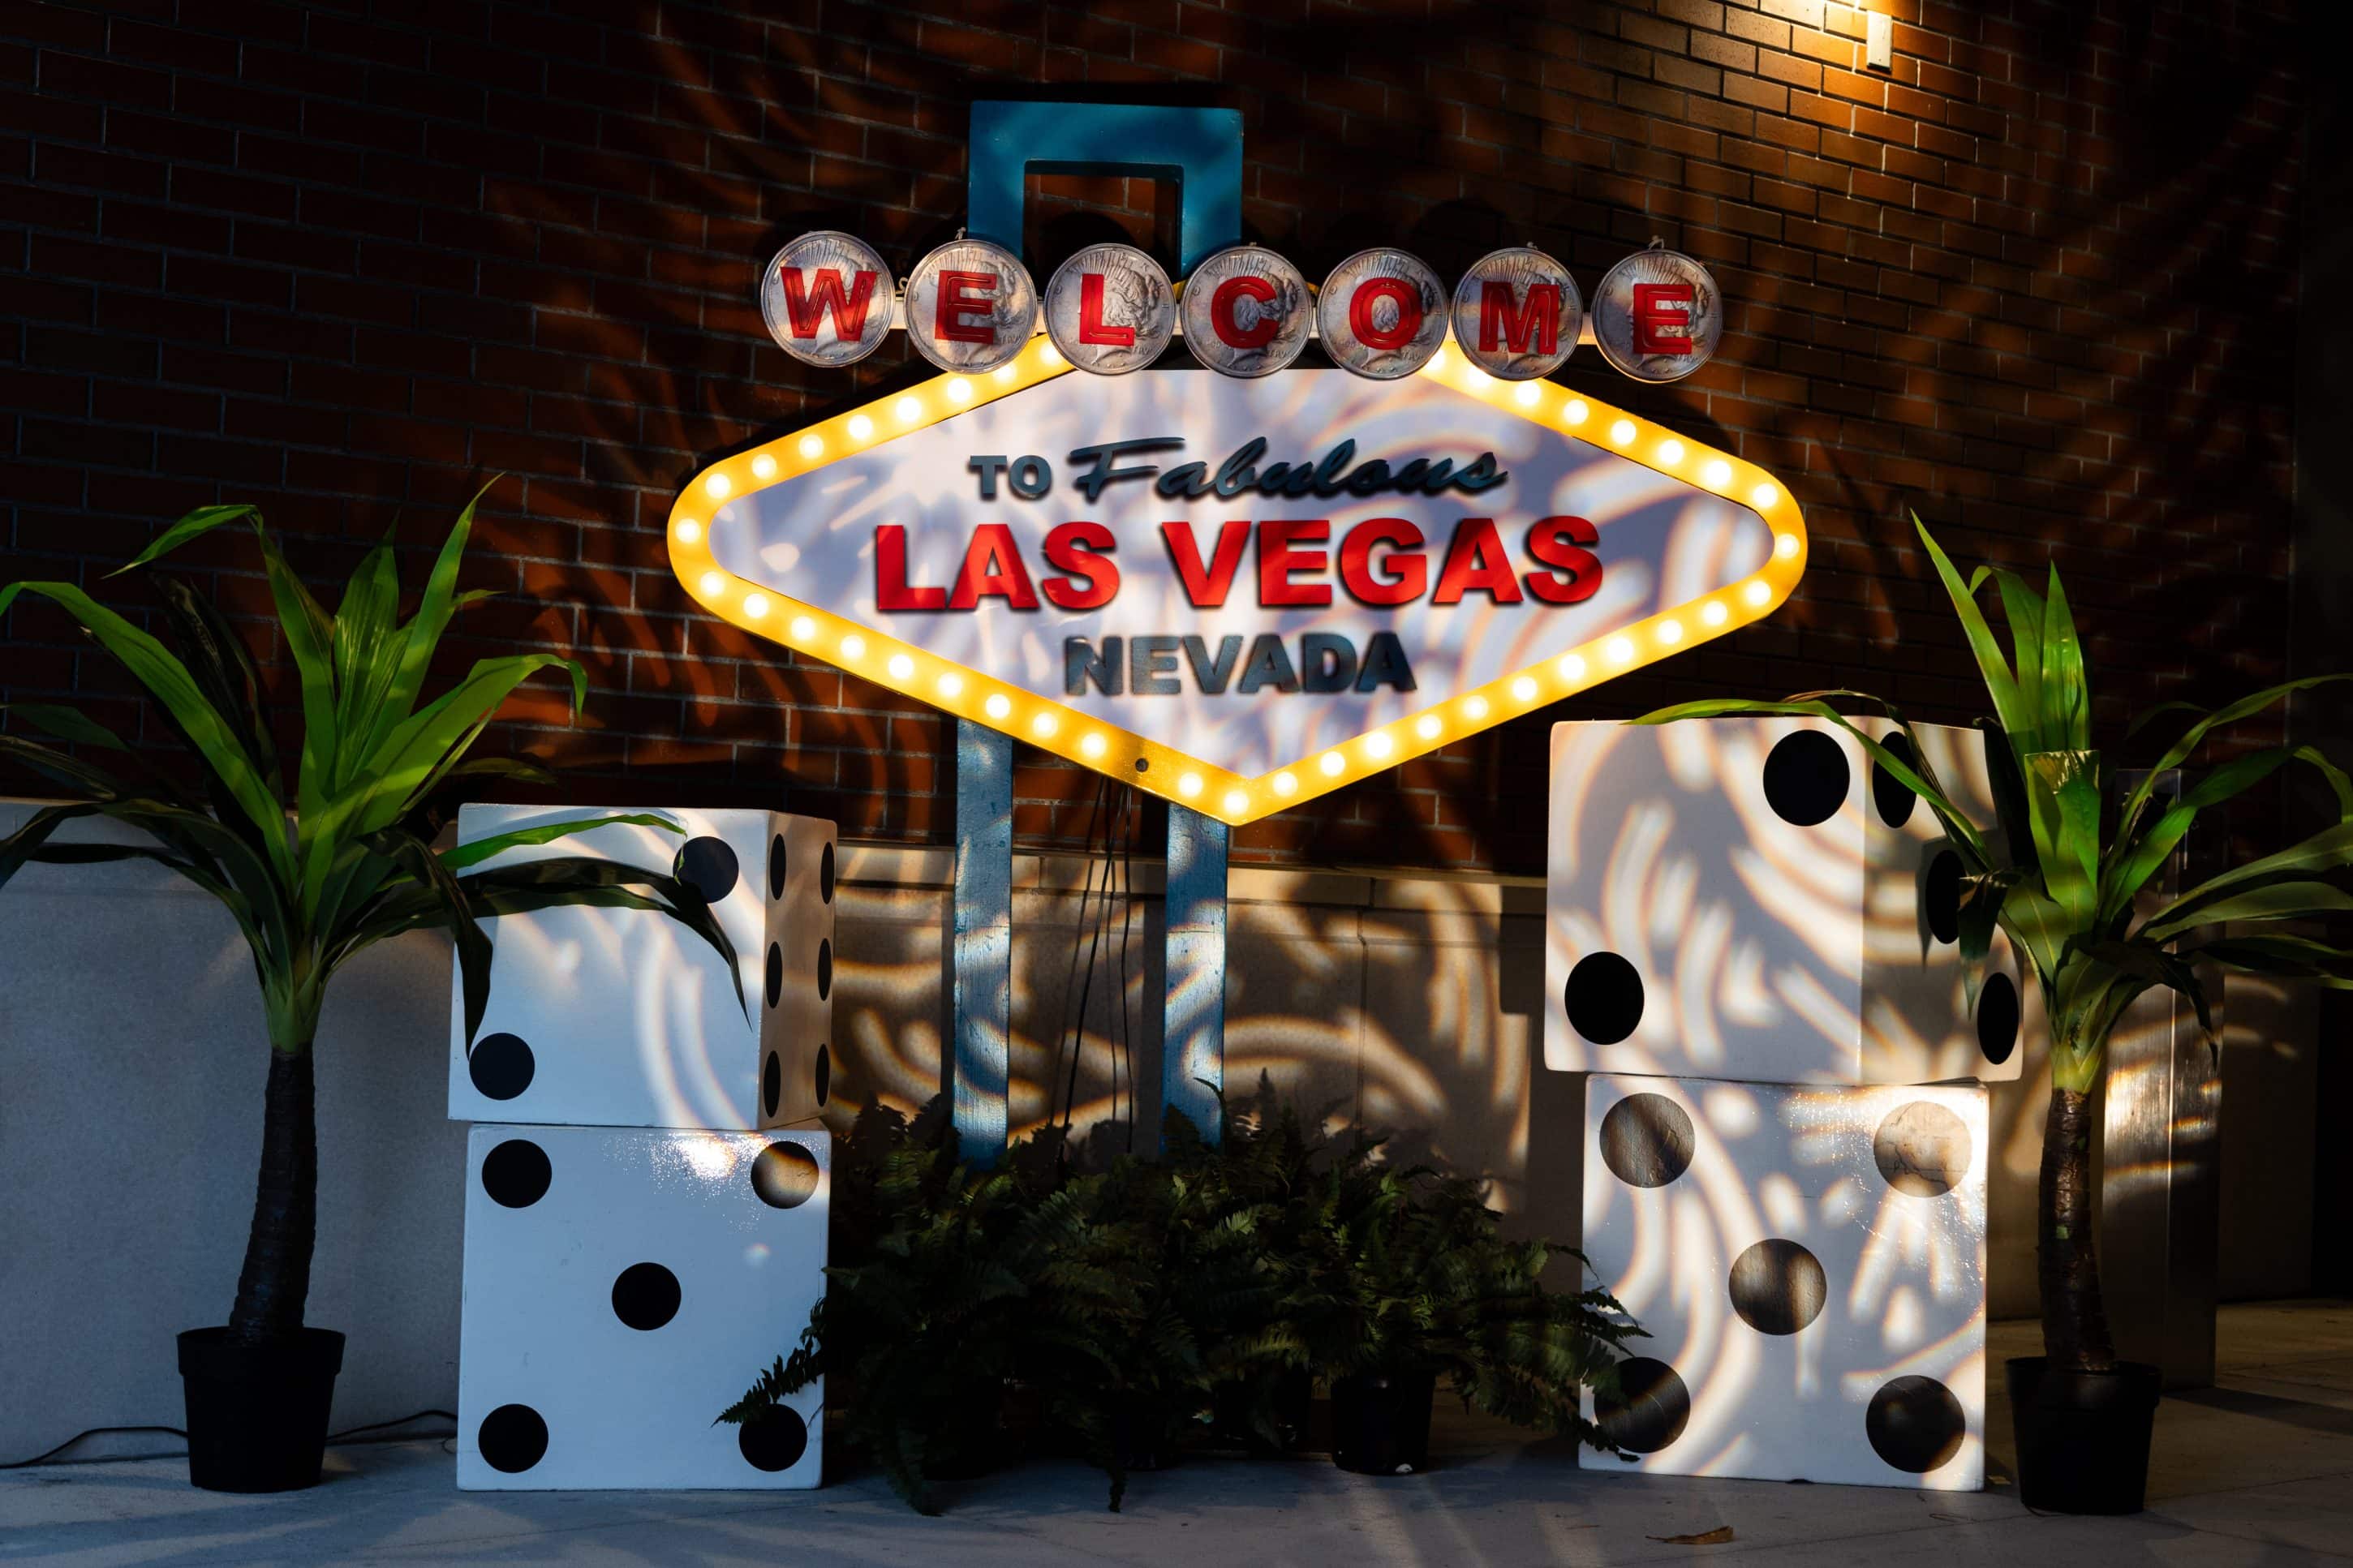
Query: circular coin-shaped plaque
x=1110 y=309
x=827 y=297
x=970 y=306
x=1247 y=311
x=1517 y=313
x=1657 y=316
x=1382 y=314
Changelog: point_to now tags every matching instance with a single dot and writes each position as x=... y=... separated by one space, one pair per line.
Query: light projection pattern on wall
x=1811 y=1265
x=624 y=1017
x=1755 y=899
x=618 y=1284
x=1702 y=540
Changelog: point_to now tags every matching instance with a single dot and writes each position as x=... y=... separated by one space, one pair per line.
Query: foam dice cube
x=1809 y=1263
x=1758 y=898
x=623 y=1286
x=624 y=1017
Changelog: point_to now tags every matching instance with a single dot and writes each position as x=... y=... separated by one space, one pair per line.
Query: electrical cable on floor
x=93 y=1432
x=332 y=1438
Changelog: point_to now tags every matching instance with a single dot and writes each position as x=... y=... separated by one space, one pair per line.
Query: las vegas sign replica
x=1243 y=586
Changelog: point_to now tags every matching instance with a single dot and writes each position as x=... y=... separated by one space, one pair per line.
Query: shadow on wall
x=1407 y=1007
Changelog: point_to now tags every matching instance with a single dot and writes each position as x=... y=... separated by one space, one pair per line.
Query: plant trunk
x=2075 y=1320
x=276 y=1278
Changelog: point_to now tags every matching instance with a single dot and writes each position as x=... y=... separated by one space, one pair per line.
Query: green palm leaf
x=66 y=724
x=201 y=520
x=475 y=851
x=167 y=680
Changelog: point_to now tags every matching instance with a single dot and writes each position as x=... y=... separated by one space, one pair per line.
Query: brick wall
x=349 y=261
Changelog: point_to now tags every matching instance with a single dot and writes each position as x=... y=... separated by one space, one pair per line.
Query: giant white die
x=624 y=1017
x=623 y=1286
x=1809 y=1263
x=1755 y=899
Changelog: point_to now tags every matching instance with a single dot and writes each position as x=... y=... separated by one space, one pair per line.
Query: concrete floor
x=2256 y=1471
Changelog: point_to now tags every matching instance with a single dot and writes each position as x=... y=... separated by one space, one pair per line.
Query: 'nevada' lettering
x=1147 y=666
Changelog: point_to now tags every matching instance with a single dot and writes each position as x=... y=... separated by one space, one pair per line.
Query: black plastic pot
x=1380 y=1421
x=258 y=1414
x=973 y=1428
x=2082 y=1436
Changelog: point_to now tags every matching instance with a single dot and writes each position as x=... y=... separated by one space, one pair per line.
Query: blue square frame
x=1200 y=149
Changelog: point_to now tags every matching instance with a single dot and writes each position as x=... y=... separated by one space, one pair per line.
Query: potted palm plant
x=2070 y=874
x=316 y=857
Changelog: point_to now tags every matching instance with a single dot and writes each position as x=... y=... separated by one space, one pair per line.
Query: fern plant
x=2069 y=876
x=1159 y=1289
x=1136 y=1300
x=923 y=1324
x=1408 y=1273
x=319 y=854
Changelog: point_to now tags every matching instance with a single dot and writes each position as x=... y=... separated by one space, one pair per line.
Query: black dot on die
x=1916 y=1423
x=1604 y=998
x=515 y=1174
x=1941 y=896
x=825 y=875
x=824 y=969
x=512 y=1439
x=708 y=865
x=1650 y=1409
x=1646 y=1140
x=1778 y=1286
x=775 y=976
x=500 y=1065
x=824 y=1074
x=1922 y=1149
x=772 y=1082
x=1891 y=796
x=645 y=1296
x=1998 y=1018
x=1806 y=775
x=785 y=1175
x=777 y=867
x=774 y=1442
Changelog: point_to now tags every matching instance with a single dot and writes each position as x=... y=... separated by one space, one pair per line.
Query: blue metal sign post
x=981 y=1001
x=1201 y=149
x=1193 y=1020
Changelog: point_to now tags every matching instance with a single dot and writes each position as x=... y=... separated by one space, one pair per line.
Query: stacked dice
x=643 y=1233
x=1752 y=955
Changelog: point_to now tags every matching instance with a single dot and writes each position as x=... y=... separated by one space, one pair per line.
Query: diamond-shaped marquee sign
x=1236 y=594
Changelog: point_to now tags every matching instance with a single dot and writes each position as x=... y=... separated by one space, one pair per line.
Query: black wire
x=1113 y=848
x=176 y=1432
x=93 y=1432
x=1083 y=985
x=1127 y=918
x=379 y=1425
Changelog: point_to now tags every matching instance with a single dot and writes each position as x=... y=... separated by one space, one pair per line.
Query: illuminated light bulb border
x=1090 y=741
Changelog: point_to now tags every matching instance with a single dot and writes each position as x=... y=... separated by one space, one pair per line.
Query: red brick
x=523 y=245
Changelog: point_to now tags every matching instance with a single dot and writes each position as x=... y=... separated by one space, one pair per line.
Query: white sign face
x=1238 y=592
